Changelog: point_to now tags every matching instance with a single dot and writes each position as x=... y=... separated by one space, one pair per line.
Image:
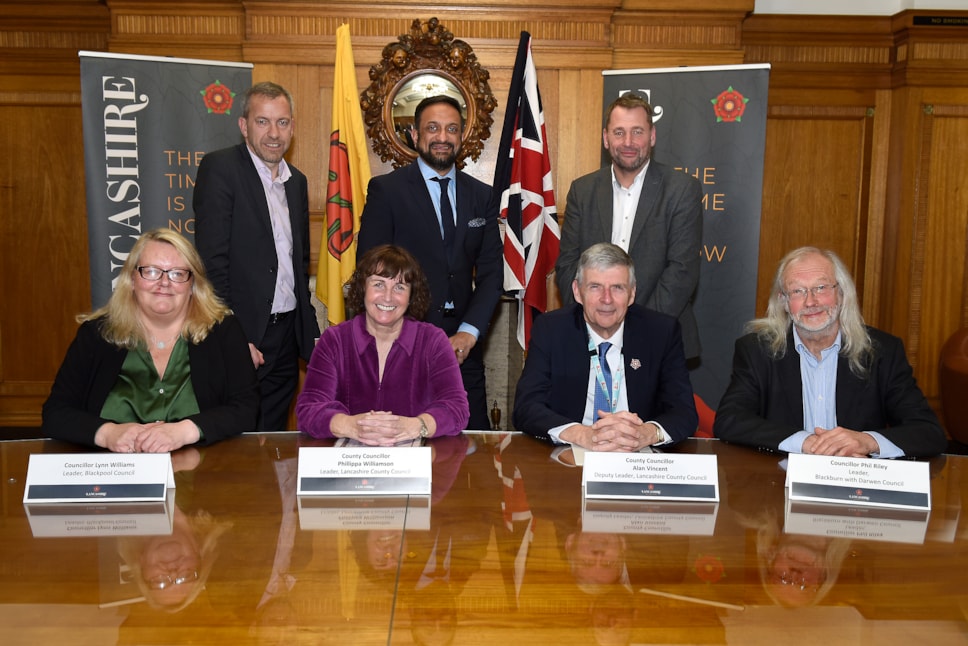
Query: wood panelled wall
x=865 y=152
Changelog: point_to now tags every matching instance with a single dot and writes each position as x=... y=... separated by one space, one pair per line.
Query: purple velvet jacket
x=421 y=376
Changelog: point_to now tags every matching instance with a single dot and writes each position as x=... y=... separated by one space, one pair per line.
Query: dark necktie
x=446 y=211
x=603 y=398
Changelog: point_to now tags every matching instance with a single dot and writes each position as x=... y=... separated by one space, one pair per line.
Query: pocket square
x=476 y=222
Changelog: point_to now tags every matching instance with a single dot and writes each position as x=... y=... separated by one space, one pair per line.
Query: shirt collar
x=429 y=173
x=639 y=177
x=617 y=339
x=363 y=339
x=801 y=347
x=284 y=172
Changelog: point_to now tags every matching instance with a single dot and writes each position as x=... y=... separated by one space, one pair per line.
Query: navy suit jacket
x=763 y=404
x=233 y=234
x=665 y=243
x=553 y=387
x=400 y=211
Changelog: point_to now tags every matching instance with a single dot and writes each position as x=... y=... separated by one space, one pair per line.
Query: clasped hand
x=840 y=441
x=619 y=431
x=383 y=428
x=153 y=437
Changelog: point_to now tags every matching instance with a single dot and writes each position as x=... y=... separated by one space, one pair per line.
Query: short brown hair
x=629 y=101
x=390 y=261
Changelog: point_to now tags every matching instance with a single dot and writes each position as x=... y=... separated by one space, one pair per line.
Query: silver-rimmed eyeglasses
x=149 y=272
x=819 y=291
x=166 y=581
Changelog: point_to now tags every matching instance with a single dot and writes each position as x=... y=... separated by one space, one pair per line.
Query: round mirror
x=407 y=95
x=428 y=61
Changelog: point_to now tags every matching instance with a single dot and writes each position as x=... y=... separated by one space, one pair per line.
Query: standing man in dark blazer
x=605 y=374
x=811 y=377
x=448 y=221
x=252 y=230
x=650 y=210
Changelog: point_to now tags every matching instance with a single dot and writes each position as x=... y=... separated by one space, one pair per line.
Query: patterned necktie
x=603 y=398
x=446 y=212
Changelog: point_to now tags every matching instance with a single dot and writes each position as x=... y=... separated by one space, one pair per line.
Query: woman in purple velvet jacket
x=384 y=376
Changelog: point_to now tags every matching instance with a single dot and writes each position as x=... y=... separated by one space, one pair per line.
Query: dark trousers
x=279 y=375
x=472 y=372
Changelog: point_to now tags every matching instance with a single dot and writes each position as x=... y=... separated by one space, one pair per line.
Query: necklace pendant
x=160 y=345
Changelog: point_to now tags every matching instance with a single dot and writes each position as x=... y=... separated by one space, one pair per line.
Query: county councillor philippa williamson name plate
x=98 y=477
x=651 y=476
x=356 y=470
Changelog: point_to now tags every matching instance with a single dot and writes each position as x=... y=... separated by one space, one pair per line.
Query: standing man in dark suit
x=605 y=374
x=650 y=210
x=811 y=377
x=252 y=230
x=448 y=221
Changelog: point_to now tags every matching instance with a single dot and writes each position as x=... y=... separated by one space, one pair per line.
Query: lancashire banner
x=349 y=175
x=711 y=123
x=147 y=123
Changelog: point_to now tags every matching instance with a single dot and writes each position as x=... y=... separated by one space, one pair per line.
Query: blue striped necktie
x=603 y=398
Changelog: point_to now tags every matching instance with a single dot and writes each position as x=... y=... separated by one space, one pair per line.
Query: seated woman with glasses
x=384 y=377
x=163 y=364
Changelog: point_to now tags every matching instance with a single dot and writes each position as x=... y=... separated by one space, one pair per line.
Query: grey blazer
x=665 y=244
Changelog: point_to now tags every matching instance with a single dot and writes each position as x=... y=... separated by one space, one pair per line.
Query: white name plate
x=383 y=512
x=886 y=524
x=367 y=471
x=859 y=481
x=646 y=517
x=107 y=519
x=98 y=477
x=656 y=476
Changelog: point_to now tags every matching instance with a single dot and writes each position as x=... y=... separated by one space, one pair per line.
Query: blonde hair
x=773 y=328
x=120 y=324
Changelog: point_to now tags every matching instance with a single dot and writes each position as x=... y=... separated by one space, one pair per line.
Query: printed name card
x=885 y=524
x=646 y=517
x=859 y=481
x=355 y=471
x=108 y=519
x=353 y=513
x=98 y=477
x=655 y=476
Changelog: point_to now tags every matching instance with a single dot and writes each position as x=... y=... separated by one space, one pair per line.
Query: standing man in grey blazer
x=650 y=210
x=252 y=231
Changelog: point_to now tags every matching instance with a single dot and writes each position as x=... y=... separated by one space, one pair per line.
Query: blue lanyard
x=600 y=376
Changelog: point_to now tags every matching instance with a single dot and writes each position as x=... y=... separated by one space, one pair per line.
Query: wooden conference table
x=503 y=552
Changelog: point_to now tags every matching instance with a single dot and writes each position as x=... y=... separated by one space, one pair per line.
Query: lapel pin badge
x=635 y=364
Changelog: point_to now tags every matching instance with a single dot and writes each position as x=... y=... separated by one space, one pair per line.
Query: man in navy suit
x=252 y=231
x=604 y=373
x=811 y=377
x=652 y=211
x=448 y=221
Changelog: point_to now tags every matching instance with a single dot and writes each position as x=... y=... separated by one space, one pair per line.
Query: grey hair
x=269 y=90
x=773 y=328
x=605 y=255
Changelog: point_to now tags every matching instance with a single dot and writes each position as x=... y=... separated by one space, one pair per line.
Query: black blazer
x=233 y=234
x=222 y=377
x=553 y=387
x=763 y=404
x=399 y=211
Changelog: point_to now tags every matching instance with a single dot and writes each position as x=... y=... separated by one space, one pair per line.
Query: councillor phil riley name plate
x=859 y=481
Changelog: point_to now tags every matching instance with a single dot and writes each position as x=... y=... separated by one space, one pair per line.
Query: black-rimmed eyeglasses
x=149 y=272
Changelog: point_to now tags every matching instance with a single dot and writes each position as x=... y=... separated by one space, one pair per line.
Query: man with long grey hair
x=811 y=377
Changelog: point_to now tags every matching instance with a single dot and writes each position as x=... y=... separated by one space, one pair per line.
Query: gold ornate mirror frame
x=426 y=62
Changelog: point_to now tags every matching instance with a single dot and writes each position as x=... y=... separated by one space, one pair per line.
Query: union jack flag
x=522 y=177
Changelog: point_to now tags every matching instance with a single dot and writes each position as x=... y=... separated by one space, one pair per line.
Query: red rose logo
x=218 y=98
x=729 y=105
x=709 y=568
